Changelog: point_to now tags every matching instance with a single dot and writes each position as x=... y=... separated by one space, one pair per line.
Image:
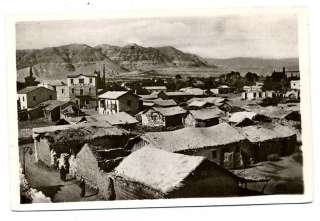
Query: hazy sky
x=265 y=35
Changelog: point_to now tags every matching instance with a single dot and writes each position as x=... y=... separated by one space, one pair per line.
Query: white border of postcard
x=302 y=15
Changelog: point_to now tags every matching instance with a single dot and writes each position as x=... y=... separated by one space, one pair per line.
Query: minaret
x=30 y=72
x=30 y=80
x=104 y=77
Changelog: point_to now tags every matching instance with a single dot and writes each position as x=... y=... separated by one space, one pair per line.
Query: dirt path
x=48 y=181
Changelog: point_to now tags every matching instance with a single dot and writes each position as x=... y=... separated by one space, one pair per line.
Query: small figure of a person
x=112 y=194
x=63 y=173
x=82 y=187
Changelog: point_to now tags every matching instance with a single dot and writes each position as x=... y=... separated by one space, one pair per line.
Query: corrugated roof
x=121 y=118
x=53 y=82
x=210 y=100
x=164 y=103
x=158 y=169
x=176 y=93
x=279 y=112
x=206 y=113
x=240 y=116
x=148 y=96
x=49 y=105
x=194 y=138
x=155 y=87
x=112 y=94
x=77 y=75
x=193 y=91
x=97 y=119
x=197 y=104
x=258 y=133
x=170 y=111
x=27 y=89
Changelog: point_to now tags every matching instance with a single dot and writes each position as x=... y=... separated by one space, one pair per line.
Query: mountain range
x=262 y=66
x=58 y=62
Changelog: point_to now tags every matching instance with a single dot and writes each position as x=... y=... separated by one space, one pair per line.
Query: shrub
x=273 y=157
x=297 y=157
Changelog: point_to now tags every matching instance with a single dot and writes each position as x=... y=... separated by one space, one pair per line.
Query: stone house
x=112 y=102
x=221 y=143
x=269 y=139
x=69 y=139
x=31 y=96
x=54 y=110
x=203 y=117
x=163 y=116
x=94 y=163
x=151 y=173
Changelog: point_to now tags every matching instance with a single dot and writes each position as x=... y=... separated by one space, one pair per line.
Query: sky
x=226 y=36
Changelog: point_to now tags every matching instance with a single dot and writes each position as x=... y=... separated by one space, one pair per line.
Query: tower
x=30 y=80
x=103 y=83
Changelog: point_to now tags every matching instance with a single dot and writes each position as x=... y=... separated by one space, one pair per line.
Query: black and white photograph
x=160 y=108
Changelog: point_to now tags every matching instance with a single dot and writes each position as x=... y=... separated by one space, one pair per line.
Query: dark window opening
x=113 y=106
x=81 y=91
x=81 y=81
x=102 y=103
x=50 y=97
x=128 y=102
x=34 y=98
x=214 y=154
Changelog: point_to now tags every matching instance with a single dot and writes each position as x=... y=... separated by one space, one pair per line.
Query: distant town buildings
x=295 y=84
x=155 y=88
x=222 y=89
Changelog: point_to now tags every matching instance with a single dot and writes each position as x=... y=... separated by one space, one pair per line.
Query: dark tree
x=30 y=80
x=103 y=81
x=178 y=77
x=251 y=78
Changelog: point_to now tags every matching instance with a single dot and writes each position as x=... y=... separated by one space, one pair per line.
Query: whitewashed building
x=82 y=88
x=112 y=102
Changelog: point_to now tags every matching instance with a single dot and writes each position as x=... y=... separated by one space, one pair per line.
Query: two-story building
x=33 y=95
x=82 y=88
x=112 y=102
x=59 y=86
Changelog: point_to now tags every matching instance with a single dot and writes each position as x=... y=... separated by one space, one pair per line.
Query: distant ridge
x=58 y=62
x=263 y=66
x=133 y=56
